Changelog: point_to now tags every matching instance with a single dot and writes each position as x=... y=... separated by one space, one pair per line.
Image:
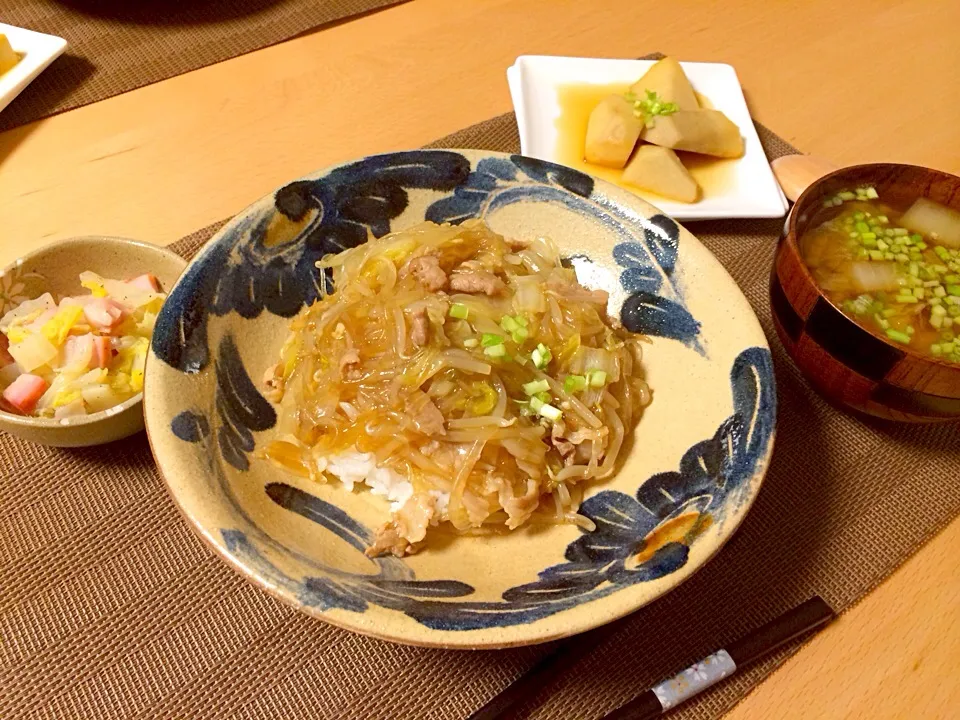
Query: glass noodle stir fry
x=463 y=376
x=81 y=355
x=895 y=273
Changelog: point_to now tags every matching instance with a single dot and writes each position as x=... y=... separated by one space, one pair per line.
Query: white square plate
x=748 y=190
x=36 y=52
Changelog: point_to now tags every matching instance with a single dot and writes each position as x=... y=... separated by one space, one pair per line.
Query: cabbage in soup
x=895 y=273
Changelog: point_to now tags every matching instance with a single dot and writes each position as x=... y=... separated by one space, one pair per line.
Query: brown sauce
x=577 y=101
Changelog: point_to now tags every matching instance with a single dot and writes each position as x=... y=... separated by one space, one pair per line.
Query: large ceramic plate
x=696 y=464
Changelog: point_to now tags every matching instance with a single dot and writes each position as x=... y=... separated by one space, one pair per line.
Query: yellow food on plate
x=612 y=132
x=468 y=379
x=708 y=132
x=659 y=170
x=660 y=109
x=8 y=57
x=667 y=79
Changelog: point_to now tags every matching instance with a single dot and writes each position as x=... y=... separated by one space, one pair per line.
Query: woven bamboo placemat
x=119 y=45
x=110 y=607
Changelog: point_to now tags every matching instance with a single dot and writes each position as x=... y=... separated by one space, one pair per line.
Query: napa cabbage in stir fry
x=467 y=378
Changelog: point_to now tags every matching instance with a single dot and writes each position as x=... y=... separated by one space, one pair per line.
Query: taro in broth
x=894 y=272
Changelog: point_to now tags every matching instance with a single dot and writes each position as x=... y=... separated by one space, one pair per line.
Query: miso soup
x=894 y=271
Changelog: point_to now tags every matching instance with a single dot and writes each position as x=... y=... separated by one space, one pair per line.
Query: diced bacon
x=104 y=313
x=102 y=351
x=24 y=392
x=78 y=351
x=147 y=282
x=5 y=357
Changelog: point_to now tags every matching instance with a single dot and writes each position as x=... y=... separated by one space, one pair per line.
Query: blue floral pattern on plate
x=638 y=538
x=618 y=553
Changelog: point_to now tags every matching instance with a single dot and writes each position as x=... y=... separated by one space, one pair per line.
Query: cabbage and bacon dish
x=469 y=379
x=82 y=354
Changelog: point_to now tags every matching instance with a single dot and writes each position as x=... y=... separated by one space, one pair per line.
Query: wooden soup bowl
x=849 y=364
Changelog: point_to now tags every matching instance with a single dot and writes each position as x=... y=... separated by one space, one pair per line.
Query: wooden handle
x=796 y=173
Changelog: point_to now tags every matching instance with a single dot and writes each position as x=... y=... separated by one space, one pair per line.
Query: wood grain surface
x=869 y=80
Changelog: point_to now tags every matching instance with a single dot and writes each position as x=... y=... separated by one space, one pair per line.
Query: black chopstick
x=551 y=665
x=804 y=618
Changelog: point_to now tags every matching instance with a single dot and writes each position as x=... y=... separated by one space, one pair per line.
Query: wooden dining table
x=865 y=80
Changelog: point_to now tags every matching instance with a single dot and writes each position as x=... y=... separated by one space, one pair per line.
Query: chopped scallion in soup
x=895 y=273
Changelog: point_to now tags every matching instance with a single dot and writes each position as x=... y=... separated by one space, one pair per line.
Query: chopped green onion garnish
x=535 y=386
x=651 y=106
x=521 y=320
x=508 y=323
x=597 y=378
x=495 y=351
x=459 y=311
x=471 y=343
x=574 y=383
x=541 y=356
x=491 y=340
x=872 y=193
x=953 y=290
x=551 y=413
x=536 y=403
x=519 y=335
x=900 y=337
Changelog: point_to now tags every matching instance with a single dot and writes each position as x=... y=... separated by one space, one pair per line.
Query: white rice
x=352 y=467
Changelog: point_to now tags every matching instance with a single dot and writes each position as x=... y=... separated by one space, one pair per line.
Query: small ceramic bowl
x=56 y=269
x=848 y=364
